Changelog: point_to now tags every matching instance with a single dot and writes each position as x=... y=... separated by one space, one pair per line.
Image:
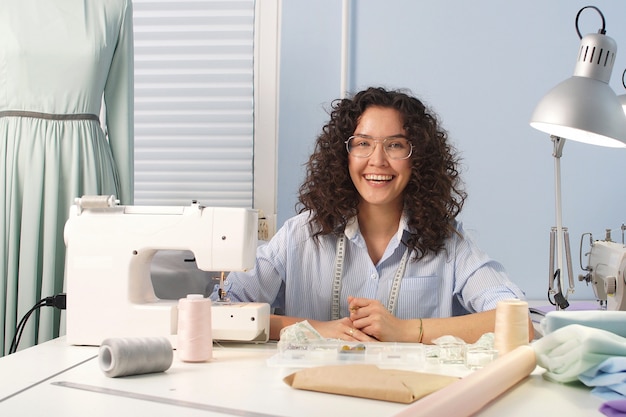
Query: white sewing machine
x=109 y=251
x=606 y=268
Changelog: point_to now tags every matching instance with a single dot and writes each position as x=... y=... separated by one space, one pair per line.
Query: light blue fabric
x=608 y=378
x=295 y=273
x=612 y=321
x=607 y=393
x=571 y=350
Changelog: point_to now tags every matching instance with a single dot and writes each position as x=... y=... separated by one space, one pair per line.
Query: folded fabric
x=607 y=393
x=614 y=408
x=369 y=381
x=612 y=321
x=608 y=378
x=571 y=350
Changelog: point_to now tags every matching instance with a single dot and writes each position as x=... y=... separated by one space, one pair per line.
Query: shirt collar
x=352 y=228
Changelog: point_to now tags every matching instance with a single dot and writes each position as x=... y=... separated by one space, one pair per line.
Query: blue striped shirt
x=295 y=273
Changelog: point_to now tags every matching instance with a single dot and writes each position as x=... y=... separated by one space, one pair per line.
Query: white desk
x=237 y=381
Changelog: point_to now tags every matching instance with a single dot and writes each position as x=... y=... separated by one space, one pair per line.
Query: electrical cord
x=601 y=31
x=559 y=299
x=58 y=301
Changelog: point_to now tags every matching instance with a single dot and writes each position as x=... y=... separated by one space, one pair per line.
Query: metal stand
x=560 y=236
x=555 y=293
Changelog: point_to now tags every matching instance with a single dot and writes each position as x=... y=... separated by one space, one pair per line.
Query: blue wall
x=482 y=66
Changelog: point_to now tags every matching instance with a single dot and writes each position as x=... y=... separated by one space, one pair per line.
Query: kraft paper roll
x=195 y=340
x=512 y=322
x=467 y=396
x=134 y=356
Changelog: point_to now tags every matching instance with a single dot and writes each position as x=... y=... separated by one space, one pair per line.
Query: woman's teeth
x=379 y=177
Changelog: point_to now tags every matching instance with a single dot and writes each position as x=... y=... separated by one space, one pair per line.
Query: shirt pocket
x=418 y=297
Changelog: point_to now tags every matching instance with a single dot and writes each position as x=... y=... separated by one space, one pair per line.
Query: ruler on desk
x=162 y=400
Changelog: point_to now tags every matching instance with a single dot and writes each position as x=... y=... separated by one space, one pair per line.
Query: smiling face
x=379 y=179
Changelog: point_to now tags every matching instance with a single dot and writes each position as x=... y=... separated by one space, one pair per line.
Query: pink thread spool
x=195 y=342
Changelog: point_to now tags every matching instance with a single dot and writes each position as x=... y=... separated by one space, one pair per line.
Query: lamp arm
x=557 y=153
x=568 y=260
x=562 y=237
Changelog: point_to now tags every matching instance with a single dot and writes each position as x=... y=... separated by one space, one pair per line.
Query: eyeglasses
x=363 y=146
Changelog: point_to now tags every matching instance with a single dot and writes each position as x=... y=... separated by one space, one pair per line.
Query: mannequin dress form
x=65 y=65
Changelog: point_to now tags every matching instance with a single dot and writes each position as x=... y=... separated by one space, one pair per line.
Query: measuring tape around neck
x=339 y=260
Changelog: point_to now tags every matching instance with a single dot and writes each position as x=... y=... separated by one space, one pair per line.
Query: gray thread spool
x=135 y=355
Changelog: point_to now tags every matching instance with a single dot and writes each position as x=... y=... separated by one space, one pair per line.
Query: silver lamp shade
x=584 y=108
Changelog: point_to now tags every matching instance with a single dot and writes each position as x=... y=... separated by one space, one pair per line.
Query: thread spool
x=96 y=201
x=511 y=330
x=195 y=342
x=133 y=356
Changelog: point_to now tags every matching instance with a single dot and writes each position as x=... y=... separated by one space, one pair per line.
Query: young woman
x=375 y=252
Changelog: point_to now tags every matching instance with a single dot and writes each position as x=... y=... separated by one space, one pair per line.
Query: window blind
x=194 y=102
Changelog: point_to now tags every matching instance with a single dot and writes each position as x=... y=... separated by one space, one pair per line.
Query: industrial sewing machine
x=606 y=271
x=109 y=250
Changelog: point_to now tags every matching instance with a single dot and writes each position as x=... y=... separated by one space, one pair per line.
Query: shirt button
x=374 y=276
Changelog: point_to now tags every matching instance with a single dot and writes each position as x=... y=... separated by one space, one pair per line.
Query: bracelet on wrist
x=421 y=334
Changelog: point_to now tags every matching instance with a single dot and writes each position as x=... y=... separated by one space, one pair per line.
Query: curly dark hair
x=434 y=195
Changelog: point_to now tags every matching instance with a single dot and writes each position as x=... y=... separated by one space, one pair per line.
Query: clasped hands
x=369 y=321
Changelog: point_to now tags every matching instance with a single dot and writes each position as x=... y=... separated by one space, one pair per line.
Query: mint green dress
x=61 y=63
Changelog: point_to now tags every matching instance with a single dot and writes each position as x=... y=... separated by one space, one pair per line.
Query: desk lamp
x=622 y=98
x=585 y=109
